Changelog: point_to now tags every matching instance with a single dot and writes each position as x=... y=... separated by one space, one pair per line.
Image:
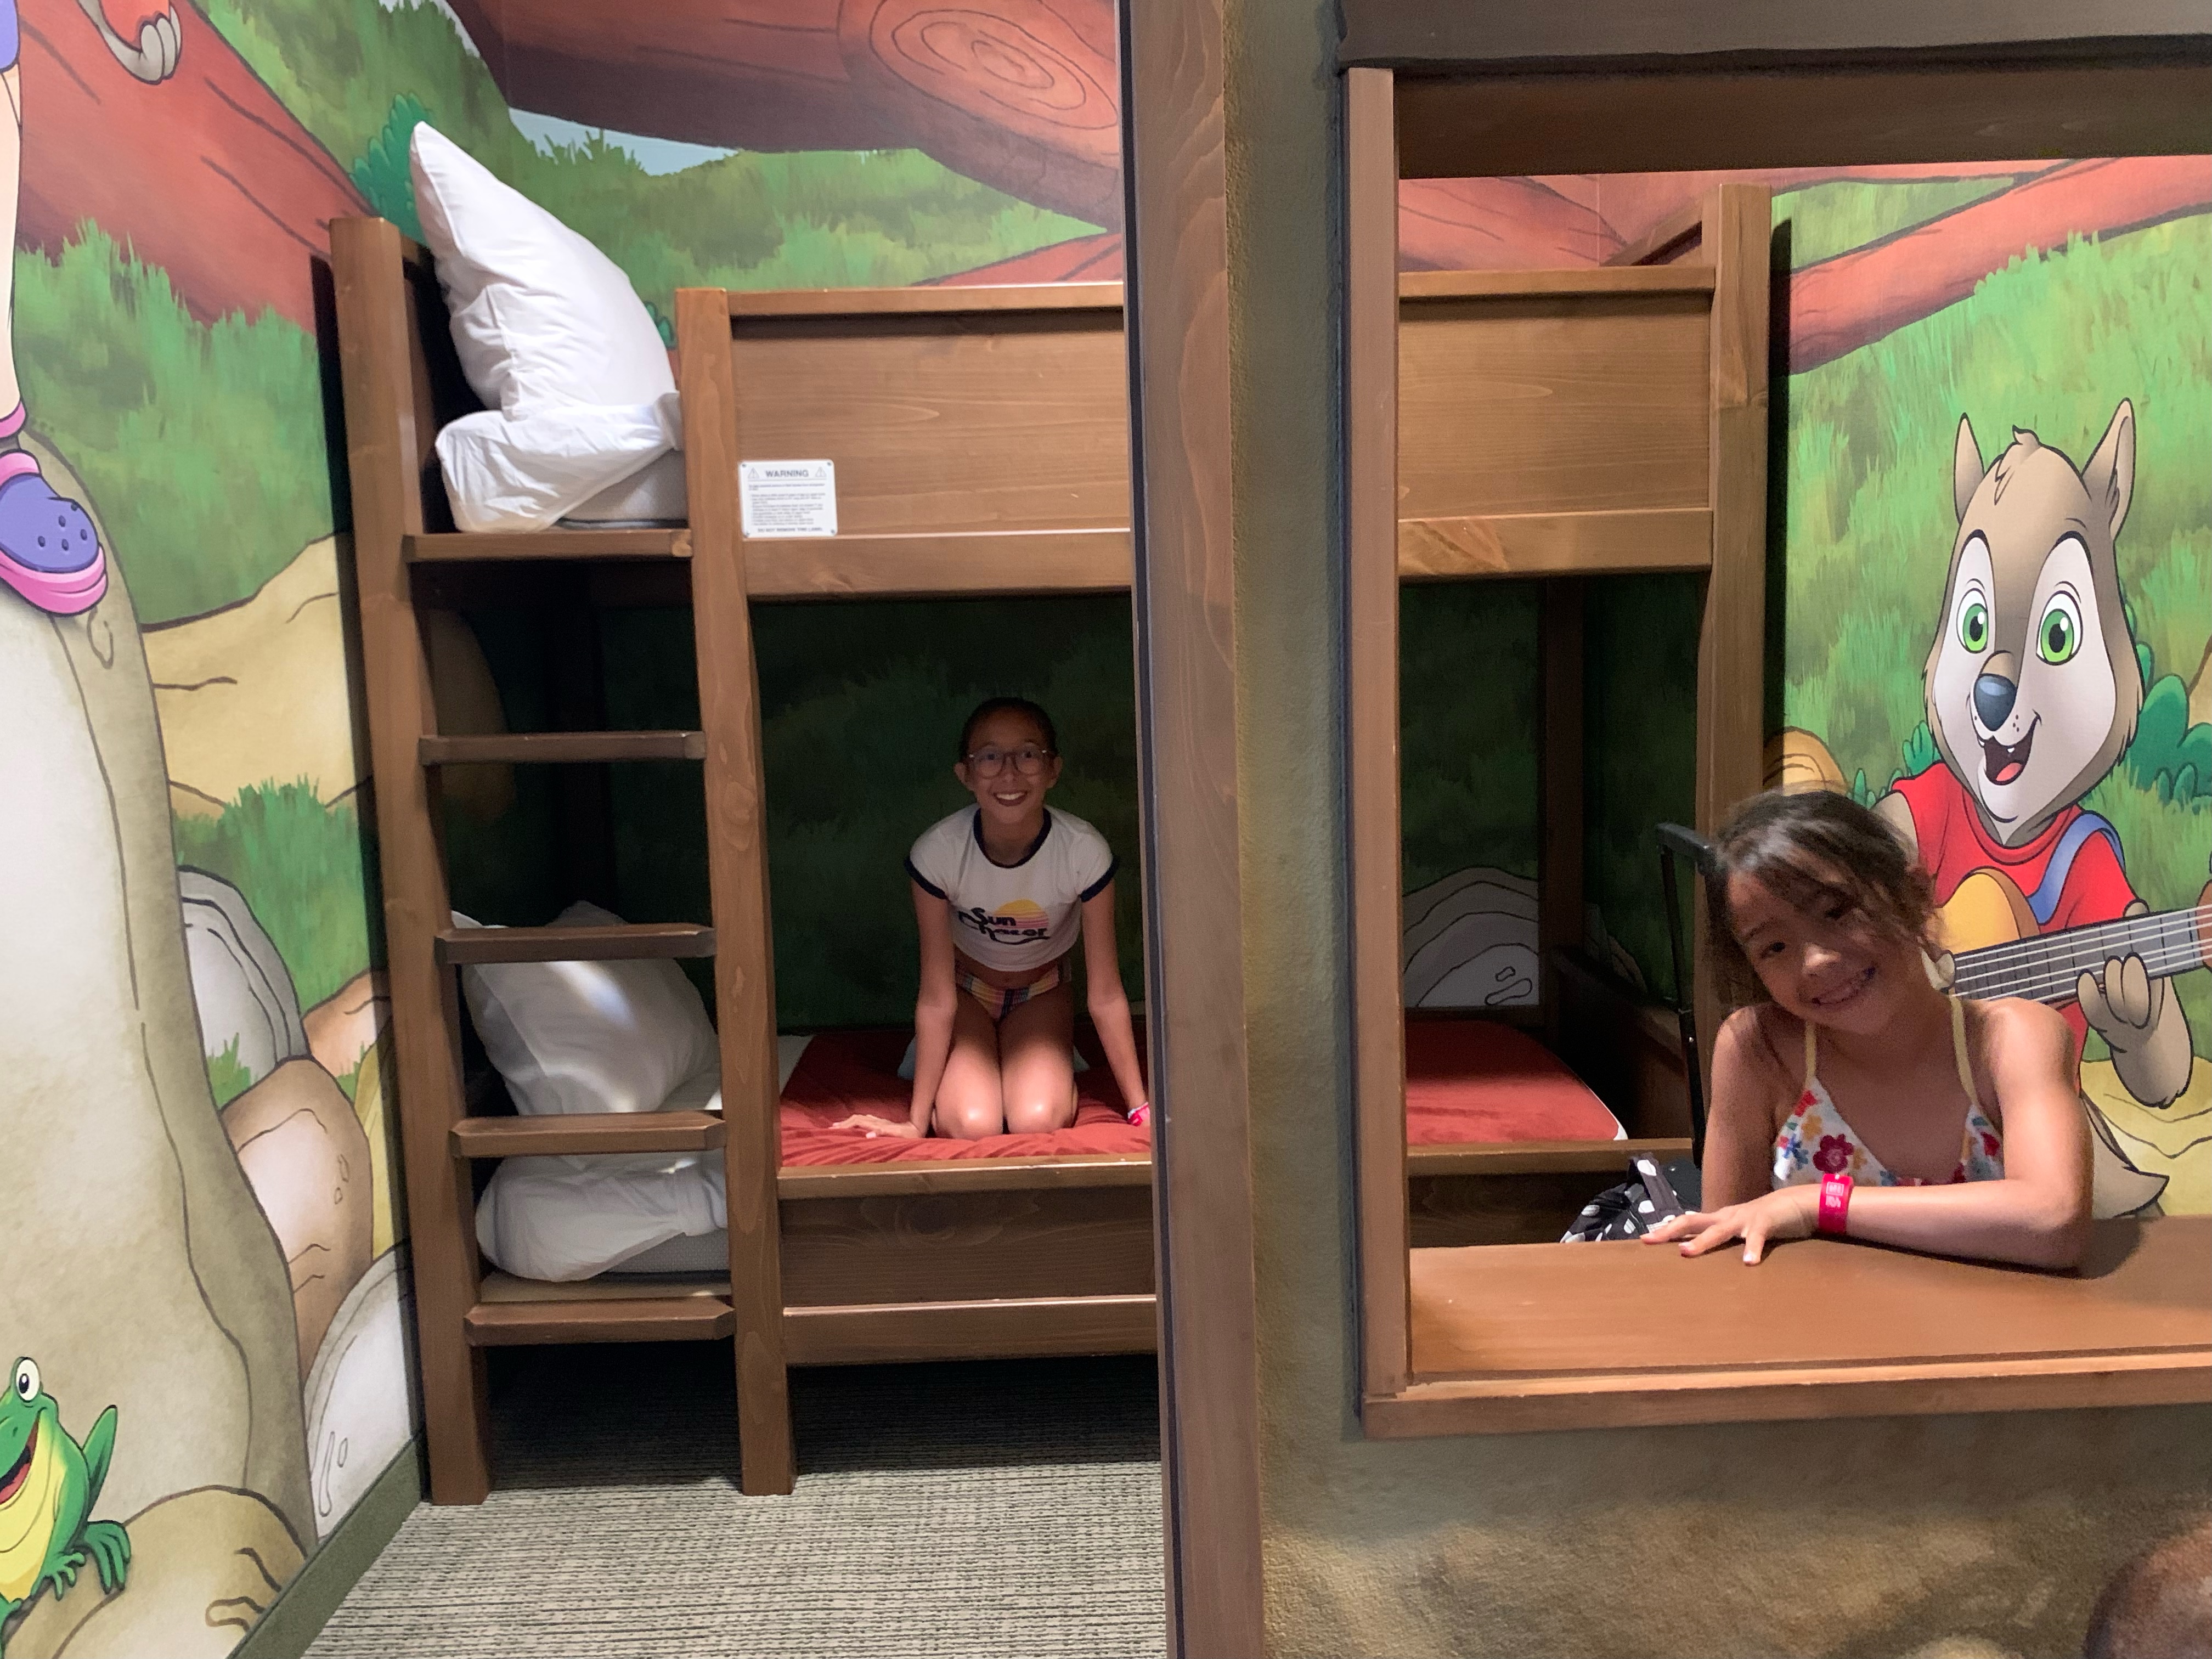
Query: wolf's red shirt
x=1953 y=844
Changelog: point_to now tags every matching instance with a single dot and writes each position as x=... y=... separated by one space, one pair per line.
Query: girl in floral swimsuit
x=1855 y=1095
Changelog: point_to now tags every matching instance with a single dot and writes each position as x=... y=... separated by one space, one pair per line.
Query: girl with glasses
x=1002 y=890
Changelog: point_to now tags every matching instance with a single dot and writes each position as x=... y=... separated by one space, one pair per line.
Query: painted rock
x=372 y=1109
x=1470 y=941
x=204 y=1566
x=247 y=1008
x=305 y=1153
x=140 y=1270
x=467 y=700
x=344 y=1025
x=360 y=1409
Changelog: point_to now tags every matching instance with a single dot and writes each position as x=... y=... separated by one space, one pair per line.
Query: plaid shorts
x=999 y=1000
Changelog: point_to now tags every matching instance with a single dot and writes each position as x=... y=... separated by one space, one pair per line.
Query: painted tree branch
x=204 y=174
x=764 y=75
x=1021 y=95
x=1841 y=304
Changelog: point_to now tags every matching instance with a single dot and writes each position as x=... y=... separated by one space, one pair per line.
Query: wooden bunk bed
x=1565 y=427
x=980 y=441
x=1617 y=419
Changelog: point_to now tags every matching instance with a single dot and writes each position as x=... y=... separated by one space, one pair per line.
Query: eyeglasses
x=1029 y=760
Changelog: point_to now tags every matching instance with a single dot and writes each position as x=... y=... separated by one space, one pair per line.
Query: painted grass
x=358 y=76
x=307 y=869
x=1827 y=220
x=1868 y=513
x=202 y=445
x=1640 y=646
x=227 y=1079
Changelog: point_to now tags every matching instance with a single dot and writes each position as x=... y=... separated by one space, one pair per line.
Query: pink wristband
x=1140 y=1113
x=1835 y=1204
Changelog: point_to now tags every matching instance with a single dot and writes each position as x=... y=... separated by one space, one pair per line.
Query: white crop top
x=1013 y=916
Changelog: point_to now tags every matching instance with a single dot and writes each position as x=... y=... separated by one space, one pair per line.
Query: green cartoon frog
x=48 y=1484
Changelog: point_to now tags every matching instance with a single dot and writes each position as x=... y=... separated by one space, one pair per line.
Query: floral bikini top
x=1815 y=1141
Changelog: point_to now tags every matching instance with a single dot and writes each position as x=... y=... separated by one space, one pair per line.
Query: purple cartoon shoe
x=49 y=552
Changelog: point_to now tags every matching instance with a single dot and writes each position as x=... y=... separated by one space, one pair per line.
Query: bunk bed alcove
x=1616 y=417
x=981 y=443
x=1560 y=427
x=985 y=493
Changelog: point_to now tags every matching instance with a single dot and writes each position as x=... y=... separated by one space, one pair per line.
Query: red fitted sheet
x=1466 y=1080
x=1477 y=1080
x=843 y=1073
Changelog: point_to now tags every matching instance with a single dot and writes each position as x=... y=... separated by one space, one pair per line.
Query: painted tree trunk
x=141 y=1272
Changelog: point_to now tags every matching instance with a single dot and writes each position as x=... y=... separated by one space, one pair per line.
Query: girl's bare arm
x=1109 y=1002
x=1740 y=1127
x=932 y=1008
x=2038 y=1215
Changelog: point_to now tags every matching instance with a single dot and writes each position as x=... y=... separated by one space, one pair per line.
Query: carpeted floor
x=972 y=1508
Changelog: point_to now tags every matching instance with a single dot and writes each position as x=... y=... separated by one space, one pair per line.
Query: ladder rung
x=627 y=943
x=574 y=1134
x=642 y=1319
x=527 y=747
x=464 y=545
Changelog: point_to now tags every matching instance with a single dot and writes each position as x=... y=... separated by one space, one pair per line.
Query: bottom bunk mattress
x=1473 y=1082
x=838 y=1073
x=1468 y=1082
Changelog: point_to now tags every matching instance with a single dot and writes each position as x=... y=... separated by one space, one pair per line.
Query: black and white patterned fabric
x=1649 y=1196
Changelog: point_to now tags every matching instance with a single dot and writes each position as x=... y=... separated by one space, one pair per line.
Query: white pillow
x=652 y=494
x=554 y=340
x=590 y=1036
x=524 y=472
x=541 y=318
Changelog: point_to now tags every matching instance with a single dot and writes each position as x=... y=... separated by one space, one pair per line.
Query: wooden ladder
x=396 y=395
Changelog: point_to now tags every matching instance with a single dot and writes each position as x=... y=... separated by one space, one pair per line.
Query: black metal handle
x=1677 y=842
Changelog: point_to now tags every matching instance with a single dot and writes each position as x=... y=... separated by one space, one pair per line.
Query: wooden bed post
x=385 y=444
x=1559 y=852
x=736 y=867
x=1176 y=182
x=1371 y=715
x=1732 y=639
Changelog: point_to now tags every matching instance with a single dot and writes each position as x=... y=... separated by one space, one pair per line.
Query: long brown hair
x=1812 y=849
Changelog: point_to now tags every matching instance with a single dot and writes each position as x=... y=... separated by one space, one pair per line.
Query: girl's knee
x=967 y=1120
x=1039 y=1116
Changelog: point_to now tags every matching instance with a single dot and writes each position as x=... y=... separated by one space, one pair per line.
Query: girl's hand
x=898 y=1129
x=1785 y=1213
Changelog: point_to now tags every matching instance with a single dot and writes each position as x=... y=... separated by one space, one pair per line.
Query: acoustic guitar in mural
x=1989 y=928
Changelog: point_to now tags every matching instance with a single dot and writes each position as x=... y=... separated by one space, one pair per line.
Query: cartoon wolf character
x=2033 y=690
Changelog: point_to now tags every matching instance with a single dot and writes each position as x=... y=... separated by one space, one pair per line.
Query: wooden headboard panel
x=1554 y=423
x=981 y=435
x=1011 y=413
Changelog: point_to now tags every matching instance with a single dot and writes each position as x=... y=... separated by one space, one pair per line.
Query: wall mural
x=1996 y=619
x=204 y=1315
